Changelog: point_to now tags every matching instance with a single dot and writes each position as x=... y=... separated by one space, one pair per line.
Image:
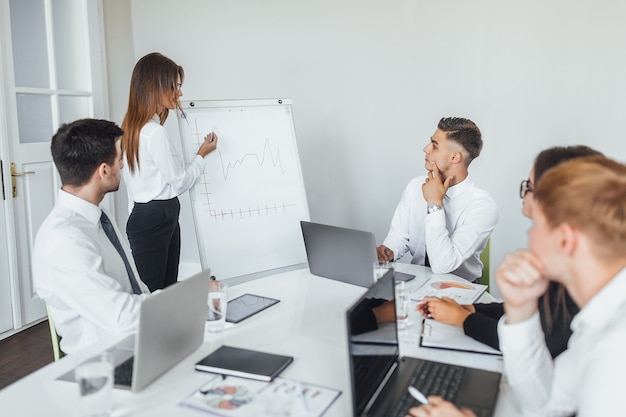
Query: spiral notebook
x=445 y=336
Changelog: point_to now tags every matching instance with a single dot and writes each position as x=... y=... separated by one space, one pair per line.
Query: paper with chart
x=240 y=397
x=463 y=292
x=250 y=199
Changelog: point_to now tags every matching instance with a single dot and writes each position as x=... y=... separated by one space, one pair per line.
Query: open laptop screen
x=338 y=253
x=373 y=347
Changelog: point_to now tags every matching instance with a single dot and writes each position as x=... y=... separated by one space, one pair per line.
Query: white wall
x=370 y=79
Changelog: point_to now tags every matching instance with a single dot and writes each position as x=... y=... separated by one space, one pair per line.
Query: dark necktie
x=110 y=232
x=426 y=261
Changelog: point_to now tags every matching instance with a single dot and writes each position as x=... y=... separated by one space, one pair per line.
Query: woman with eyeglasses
x=556 y=308
x=154 y=171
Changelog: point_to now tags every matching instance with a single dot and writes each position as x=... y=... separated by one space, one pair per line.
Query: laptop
x=338 y=253
x=380 y=377
x=171 y=326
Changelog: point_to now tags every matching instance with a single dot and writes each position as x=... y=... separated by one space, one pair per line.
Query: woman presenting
x=154 y=171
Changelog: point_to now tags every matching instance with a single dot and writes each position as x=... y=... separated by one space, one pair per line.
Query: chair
x=484 y=258
x=56 y=339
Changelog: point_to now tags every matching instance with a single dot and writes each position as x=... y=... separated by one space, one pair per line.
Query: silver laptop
x=171 y=326
x=338 y=253
x=380 y=377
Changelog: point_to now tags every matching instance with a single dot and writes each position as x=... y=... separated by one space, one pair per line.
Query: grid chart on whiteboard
x=250 y=198
x=260 y=166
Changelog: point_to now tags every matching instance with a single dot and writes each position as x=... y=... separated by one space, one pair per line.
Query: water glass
x=381 y=268
x=217 y=303
x=402 y=305
x=95 y=382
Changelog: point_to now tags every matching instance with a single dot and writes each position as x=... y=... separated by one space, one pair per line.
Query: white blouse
x=161 y=173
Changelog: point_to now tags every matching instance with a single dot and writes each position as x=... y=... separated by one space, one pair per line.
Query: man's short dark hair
x=78 y=148
x=465 y=133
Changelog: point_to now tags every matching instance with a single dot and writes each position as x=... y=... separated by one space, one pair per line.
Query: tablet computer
x=402 y=276
x=247 y=305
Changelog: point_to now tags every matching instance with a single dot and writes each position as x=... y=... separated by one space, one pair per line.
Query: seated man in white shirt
x=443 y=219
x=578 y=239
x=77 y=270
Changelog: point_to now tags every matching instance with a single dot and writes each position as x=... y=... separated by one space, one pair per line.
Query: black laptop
x=380 y=377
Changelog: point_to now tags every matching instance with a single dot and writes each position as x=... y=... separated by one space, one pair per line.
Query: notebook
x=171 y=326
x=338 y=253
x=244 y=363
x=380 y=377
x=446 y=336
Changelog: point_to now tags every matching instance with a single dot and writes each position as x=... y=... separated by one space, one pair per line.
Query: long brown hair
x=154 y=75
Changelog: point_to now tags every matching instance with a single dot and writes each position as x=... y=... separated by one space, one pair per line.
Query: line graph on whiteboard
x=248 y=174
x=249 y=200
x=267 y=152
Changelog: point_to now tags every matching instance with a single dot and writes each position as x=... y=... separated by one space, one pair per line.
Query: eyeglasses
x=525 y=187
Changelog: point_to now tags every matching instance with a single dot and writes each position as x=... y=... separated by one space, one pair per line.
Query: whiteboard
x=248 y=203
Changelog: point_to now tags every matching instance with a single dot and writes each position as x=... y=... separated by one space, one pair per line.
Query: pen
x=305 y=403
x=265 y=386
x=417 y=395
x=207 y=386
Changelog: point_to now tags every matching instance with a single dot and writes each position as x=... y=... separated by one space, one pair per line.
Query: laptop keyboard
x=433 y=378
x=124 y=372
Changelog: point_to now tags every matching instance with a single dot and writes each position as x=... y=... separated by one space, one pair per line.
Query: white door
x=6 y=313
x=53 y=65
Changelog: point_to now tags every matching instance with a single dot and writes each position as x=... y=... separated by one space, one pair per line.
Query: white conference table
x=308 y=324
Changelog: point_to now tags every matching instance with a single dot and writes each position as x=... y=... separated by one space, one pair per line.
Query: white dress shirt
x=82 y=278
x=454 y=236
x=588 y=378
x=161 y=173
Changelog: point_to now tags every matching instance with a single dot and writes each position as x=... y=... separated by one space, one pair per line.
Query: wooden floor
x=24 y=353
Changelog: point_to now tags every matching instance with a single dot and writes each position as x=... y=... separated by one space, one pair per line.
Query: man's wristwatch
x=433 y=208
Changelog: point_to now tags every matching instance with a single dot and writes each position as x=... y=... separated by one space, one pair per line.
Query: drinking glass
x=402 y=305
x=95 y=381
x=217 y=303
x=381 y=268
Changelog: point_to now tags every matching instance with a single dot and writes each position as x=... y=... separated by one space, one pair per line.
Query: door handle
x=15 y=174
x=4 y=196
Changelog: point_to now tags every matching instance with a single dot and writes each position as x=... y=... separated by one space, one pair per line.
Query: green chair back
x=56 y=339
x=484 y=258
